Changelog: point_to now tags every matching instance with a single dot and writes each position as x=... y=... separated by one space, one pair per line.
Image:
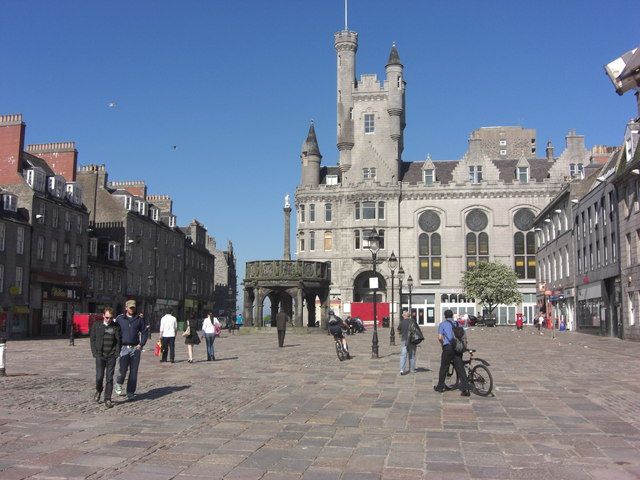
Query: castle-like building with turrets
x=439 y=217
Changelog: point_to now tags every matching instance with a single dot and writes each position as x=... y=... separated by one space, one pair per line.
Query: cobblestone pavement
x=563 y=409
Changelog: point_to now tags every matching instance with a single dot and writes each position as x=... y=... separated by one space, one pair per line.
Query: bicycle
x=340 y=350
x=478 y=376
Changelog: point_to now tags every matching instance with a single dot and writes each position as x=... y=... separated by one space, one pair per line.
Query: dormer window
x=10 y=202
x=369 y=173
x=36 y=179
x=74 y=193
x=172 y=221
x=475 y=173
x=332 y=179
x=576 y=169
x=155 y=214
x=428 y=176
x=128 y=203
x=369 y=123
x=142 y=207
x=523 y=174
x=56 y=186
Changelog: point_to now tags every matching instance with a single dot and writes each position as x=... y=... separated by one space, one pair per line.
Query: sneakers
x=402 y=372
x=438 y=389
x=108 y=403
x=96 y=396
x=465 y=393
x=131 y=396
x=118 y=389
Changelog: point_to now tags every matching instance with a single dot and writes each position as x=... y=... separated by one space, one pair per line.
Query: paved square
x=563 y=409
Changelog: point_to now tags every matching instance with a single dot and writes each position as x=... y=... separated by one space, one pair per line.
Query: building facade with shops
x=199 y=270
x=225 y=279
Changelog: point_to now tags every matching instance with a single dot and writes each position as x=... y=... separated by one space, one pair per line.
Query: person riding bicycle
x=336 y=326
x=449 y=355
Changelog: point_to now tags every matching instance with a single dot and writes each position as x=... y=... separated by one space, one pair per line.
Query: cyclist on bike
x=336 y=325
x=446 y=338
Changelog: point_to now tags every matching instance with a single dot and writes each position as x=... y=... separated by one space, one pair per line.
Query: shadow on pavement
x=224 y=359
x=294 y=345
x=159 y=392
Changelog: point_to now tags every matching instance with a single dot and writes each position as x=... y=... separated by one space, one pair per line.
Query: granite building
x=439 y=216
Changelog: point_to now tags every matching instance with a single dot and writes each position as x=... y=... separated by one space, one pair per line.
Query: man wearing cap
x=134 y=336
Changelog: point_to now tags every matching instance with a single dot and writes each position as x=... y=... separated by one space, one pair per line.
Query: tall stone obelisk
x=287 y=228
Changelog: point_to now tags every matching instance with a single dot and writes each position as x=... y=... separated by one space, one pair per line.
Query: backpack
x=457 y=342
x=415 y=334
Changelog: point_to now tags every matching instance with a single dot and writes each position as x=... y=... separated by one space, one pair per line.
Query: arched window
x=429 y=250
x=524 y=243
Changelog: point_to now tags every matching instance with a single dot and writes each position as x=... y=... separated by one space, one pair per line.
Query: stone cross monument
x=287 y=229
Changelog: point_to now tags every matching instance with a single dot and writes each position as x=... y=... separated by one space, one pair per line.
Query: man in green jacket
x=105 y=339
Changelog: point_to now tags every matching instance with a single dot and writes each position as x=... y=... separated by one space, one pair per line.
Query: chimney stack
x=549 y=151
x=11 y=146
x=62 y=157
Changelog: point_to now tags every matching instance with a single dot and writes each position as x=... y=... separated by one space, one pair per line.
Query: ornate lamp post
x=393 y=264
x=410 y=285
x=374 y=247
x=73 y=271
x=400 y=280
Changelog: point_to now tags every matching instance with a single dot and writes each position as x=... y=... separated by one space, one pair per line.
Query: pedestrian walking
x=134 y=336
x=210 y=328
x=408 y=348
x=239 y=321
x=191 y=337
x=445 y=337
x=168 y=329
x=281 y=324
x=105 y=341
x=539 y=322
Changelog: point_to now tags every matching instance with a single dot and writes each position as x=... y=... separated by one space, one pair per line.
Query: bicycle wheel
x=340 y=351
x=451 y=380
x=481 y=380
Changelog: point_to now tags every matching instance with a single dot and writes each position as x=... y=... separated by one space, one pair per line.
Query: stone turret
x=310 y=157
x=549 y=151
x=395 y=107
x=346 y=45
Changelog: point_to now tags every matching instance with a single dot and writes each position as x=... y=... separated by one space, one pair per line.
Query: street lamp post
x=374 y=247
x=393 y=264
x=74 y=272
x=400 y=279
x=410 y=285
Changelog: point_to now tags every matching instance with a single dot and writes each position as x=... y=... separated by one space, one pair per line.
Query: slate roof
x=394 y=57
x=538 y=169
x=34 y=161
x=324 y=171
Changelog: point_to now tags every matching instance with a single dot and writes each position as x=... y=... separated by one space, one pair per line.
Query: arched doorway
x=362 y=292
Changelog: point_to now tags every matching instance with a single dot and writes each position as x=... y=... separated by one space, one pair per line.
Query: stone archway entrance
x=362 y=292
x=290 y=283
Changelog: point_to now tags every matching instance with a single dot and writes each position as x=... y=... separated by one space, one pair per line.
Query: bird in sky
x=112 y=104
x=175 y=146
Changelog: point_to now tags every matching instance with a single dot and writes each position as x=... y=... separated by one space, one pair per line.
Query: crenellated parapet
x=93 y=168
x=130 y=183
x=11 y=119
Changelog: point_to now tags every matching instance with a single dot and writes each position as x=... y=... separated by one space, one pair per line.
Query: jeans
x=108 y=364
x=448 y=356
x=209 y=339
x=411 y=350
x=168 y=346
x=129 y=359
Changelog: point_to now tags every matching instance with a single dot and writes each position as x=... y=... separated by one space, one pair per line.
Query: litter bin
x=385 y=322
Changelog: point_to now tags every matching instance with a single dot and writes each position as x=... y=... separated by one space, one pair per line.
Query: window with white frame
x=576 y=170
x=368 y=210
x=10 y=202
x=369 y=173
x=475 y=173
x=301 y=242
x=503 y=143
x=78 y=256
x=369 y=123
x=381 y=208
x=312 y=241
x=312 y=212
x=20 y=240
x=302 y=213
x=332 y=180
x=36 y=179
x=66 y=256
x=428 y=176
x=503 y=152
x=19 y=282
x=40 y=248
x=141 y=207
x=523 y=174
x=327 y=212
x=67 y=221
x=53 y=254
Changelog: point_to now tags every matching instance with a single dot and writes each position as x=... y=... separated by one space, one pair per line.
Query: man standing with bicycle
x=446 y=339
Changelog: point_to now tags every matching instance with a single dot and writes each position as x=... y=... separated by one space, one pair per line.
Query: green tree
x=492 y=284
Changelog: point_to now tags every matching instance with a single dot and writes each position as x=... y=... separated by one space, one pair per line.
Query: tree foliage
x=492 y=284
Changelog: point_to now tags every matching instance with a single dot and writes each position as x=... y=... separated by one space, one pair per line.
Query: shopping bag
x=158 y=348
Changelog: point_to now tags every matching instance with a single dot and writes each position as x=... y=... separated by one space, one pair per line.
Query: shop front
x=162 y=305
x=59 y=303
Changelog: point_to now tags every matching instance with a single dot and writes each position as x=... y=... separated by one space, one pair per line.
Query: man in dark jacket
x=408 y=348
x=281 y=324
x=134 y=336
x=105 y=347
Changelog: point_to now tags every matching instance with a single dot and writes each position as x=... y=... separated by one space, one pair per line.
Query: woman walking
x=210 y=327
x=192 y=337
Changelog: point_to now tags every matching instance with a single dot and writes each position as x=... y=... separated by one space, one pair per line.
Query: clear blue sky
x=233 y=84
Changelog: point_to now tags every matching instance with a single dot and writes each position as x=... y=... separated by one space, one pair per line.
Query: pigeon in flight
x=112 y=104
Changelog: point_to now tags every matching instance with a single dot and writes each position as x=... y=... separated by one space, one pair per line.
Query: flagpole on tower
x=346 y=23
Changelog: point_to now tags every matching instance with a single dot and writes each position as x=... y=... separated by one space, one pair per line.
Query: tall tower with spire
x=310 y=157
x=346 y=45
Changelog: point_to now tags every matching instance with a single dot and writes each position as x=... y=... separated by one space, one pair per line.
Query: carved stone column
x=259 y=320
x=247 y=310
x=324 y=309
x=287 y=233
x=299 y=313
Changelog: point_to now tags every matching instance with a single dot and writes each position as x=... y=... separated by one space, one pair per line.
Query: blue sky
x=233 y=84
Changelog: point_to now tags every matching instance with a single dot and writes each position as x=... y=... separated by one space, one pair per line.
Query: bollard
x=3 y=353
